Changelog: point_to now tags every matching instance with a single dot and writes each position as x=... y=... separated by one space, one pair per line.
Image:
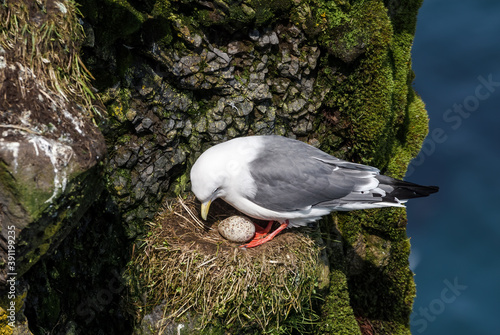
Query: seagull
x=275 y=178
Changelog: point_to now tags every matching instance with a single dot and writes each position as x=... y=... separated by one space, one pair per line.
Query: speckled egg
x=237 y=229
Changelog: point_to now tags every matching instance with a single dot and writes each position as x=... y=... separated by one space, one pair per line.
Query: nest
x=186 y=267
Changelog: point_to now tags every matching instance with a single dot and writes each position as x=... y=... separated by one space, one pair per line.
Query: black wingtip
x=404 y=190
x=418 y=190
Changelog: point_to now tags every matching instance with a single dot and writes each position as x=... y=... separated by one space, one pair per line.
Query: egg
x=237 y=229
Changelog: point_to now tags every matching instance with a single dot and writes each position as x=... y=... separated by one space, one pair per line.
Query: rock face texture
x=175 y=78
x=49 y=147
x=254 y=87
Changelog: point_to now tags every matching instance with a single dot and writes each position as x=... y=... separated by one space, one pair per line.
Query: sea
x=455 y=234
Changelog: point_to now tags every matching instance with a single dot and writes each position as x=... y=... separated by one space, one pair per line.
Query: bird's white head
x=222 y=172
x=208 y=179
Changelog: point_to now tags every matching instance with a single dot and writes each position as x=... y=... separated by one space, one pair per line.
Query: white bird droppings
x=59 y=155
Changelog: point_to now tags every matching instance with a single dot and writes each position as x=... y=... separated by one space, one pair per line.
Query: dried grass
x=190 y=269
x=45 y=36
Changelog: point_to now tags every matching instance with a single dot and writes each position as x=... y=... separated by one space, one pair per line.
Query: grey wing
x=298 y=179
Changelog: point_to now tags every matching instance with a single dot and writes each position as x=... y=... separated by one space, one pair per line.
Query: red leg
x=262 y=232
x=258 y=241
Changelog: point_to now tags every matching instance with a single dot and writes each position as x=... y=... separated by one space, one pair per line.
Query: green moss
x=124 y=21
x=381 y=285
x=384 y=124
x=120 y=186
x=365 y=65
x=181 y=184
x=338 y=315
x=30 y=198
x=118 y=26
x=5 y=304
x=55 y=221
x=158 y=25
x=118 y=108
x=374 y=97
x=411 y=136
x=5 y=329
x=235 y=15
x=80 y=281
x=53 y=228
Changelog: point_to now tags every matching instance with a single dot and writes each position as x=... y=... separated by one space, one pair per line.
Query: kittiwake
x=280 y=179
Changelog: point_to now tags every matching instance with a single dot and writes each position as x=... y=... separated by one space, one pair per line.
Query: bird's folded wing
x=345 y=164
x=298 y=181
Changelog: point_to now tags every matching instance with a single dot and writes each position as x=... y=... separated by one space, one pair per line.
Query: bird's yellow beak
x=204 y=209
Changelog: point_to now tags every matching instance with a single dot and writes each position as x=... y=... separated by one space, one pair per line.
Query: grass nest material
x=43 y=38
x=186 y=267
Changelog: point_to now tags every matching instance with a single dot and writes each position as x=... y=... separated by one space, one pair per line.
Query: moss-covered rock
x=79 y=287
x=179 y=76
x=50 y=148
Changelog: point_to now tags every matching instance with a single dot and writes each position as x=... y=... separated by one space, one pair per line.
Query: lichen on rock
x=50 y=148
x=48 y=142
x=335 y=74
x=177 y=77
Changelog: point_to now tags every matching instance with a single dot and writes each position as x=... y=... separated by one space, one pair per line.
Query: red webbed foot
x=262 y=232
x=263 y=238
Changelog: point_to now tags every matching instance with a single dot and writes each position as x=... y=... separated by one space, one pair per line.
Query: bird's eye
x=215 y=191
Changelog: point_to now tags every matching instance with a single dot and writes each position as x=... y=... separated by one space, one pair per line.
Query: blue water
x=455 y=234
